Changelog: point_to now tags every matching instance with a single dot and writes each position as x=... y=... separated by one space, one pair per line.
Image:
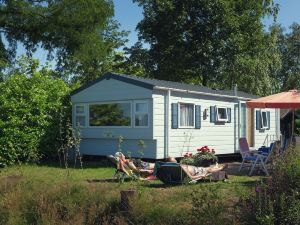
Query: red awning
x=284 y=100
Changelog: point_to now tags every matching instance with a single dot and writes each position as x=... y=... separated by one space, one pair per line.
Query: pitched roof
x=154 y=83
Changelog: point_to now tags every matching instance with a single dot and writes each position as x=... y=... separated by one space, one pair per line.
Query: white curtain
x=186 y=115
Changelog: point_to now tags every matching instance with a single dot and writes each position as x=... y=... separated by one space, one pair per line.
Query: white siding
x=222 y=137
x=109 y=147
x=111 y=90
x=102 y=140
x=159 y=122
x=261 y=135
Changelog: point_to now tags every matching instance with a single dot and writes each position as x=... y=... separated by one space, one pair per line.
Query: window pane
x=186 y=115
x=264 y=119
x=79 y=109
x=116 y=114
x=80 y=121
x=222 y=113
x=141 y=107
x=141 y=120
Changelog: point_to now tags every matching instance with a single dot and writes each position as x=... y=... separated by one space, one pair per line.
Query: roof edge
x=110 y=75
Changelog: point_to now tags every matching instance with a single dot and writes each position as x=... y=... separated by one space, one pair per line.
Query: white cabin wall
x=103 y=140
x=158 y=99
x=111 y=90
x=220 y=137
x=223 y=138
x=260 y=135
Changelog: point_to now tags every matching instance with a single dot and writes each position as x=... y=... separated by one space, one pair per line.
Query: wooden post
x=126 y=197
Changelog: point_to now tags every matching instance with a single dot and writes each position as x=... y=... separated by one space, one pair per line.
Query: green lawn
x=48 y=194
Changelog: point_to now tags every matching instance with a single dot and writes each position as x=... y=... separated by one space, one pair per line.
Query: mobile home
x=171 y=118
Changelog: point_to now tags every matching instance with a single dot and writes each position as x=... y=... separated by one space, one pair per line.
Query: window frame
x=179 y=115
x=262 y=120
x=135 y=113
x=104 y=103
x=217 y=116
x=84 y=113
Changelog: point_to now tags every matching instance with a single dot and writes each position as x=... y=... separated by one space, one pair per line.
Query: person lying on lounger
x=124 y=164
x=145 y=169
x=195 y=172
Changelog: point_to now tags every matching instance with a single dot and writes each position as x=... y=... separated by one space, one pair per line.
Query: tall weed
x=276 y=200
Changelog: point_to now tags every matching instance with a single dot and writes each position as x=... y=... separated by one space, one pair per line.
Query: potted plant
x=205 y=157
x=188 y=159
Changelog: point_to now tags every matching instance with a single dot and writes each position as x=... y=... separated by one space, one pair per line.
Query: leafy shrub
x=29 y=116
x=209 y=206
x=277 y=200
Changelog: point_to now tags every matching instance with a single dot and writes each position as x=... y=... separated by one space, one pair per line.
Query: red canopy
x=284 y=100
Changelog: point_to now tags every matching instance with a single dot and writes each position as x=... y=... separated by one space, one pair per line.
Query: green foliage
x=289 y=48
x=120 y=141
x=44 y=192
x=69 y=142
x=141 y=148
x=80 y=33
x=204 y=157
x=29 y=115
x=277 y=200
x=188 y=161
x=208 y=206
x=215 y=43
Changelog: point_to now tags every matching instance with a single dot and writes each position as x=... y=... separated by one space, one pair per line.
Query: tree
x=80 y=33
x=208 y=42
x=30 y=104
x=289 y=45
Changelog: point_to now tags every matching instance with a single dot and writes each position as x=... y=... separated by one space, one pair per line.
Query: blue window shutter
x=212 y=114
x=269 y=120
x=258 y=120
x=229 y=115
x=174 y=108
x=198 y=116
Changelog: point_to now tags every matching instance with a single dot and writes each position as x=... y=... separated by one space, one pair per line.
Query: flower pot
x=206 y=163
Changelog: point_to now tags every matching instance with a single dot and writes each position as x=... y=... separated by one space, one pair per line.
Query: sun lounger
x=172 y=173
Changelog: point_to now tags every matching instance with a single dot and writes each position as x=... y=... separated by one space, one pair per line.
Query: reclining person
x=124 y=163
x=145 y=169
x=195 y=172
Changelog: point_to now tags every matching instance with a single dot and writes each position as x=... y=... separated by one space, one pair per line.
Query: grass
x=48 y=194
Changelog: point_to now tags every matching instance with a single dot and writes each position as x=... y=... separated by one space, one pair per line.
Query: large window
x=110 y=114
x=141 y=114
x=264 y=119
x=80 y=116
x=186 y=112
x=222 y=114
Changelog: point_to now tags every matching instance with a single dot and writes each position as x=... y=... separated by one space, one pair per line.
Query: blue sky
x=129 y=14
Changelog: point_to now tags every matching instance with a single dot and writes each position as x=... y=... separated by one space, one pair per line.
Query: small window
x=264 y=119
x=141 y=114
x=79 y=109
x=80 y=116
x=186 y=112
x=222 y=114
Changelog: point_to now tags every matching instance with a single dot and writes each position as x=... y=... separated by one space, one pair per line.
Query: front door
x=250 y=125
x=243 y=119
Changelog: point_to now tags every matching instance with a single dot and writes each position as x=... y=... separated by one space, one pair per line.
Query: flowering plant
x=188 y=159
x=204 y=157
x=205 y=154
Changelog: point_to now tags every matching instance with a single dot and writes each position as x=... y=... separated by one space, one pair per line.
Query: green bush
x=209 y=207
x=277 y=200
x=29 y=116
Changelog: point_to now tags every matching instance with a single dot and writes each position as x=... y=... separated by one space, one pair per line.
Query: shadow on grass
x=85 y=164
x=108 y=180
